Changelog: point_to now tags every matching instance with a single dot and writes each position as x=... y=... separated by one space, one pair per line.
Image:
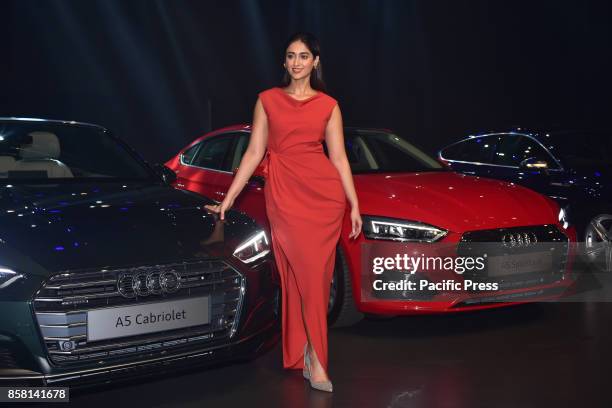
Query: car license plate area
x=518 y=264
x=125 y=321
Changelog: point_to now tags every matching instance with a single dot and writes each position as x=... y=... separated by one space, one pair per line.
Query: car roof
x=245 y=127
x=548 y=138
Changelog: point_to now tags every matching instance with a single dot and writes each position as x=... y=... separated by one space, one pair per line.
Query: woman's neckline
x=297 y=100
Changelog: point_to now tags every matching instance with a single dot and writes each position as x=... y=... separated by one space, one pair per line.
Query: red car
x=405 y=196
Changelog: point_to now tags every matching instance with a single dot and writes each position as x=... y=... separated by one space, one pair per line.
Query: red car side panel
x=449 y=200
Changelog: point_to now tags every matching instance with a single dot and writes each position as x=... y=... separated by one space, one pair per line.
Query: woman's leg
x=315 y=290
x=306 y=271
x=293 y=333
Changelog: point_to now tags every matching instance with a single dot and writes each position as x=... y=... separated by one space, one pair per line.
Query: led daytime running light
x=260 y=245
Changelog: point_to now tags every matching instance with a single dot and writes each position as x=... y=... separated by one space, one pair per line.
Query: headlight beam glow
x=8 y=276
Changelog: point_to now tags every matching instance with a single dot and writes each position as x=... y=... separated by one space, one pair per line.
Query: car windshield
x=43 y=151
x=383 y=152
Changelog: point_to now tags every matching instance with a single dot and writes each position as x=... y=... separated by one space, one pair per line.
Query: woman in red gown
x=305 y=195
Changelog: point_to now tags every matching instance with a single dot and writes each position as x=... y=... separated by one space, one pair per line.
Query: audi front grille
x=61 y=307
x=503 y=242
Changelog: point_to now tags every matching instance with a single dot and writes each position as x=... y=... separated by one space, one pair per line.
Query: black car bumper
x=242 y=349
x=27 y=355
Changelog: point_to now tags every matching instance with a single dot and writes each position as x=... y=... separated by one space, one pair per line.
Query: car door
x=251 y=200
x=205 y=167
x=471 y=156
x=512 y=150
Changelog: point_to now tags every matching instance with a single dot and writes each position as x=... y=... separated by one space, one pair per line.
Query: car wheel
x=341 y=311
x=598 y=242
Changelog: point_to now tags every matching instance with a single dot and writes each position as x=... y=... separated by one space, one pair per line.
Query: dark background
x=160 y=73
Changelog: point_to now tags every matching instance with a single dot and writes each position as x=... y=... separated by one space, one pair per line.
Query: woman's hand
x=225 y=205
x=356 y=223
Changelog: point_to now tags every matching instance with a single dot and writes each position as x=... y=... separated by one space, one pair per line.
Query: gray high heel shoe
x=317 y=385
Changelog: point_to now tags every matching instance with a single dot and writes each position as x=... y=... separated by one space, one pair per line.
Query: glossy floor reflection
x=538 y=355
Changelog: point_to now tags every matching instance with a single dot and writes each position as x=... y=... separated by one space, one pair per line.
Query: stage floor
x=537 y=355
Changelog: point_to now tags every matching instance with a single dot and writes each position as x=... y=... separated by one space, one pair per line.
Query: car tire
x=342 y=311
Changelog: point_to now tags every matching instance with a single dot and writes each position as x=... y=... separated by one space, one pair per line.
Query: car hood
x=49 y=228
x=453 y=201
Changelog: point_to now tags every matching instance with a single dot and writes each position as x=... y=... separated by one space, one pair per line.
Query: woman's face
x=299 y=61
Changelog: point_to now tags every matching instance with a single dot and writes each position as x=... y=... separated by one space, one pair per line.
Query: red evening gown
x=305 y=203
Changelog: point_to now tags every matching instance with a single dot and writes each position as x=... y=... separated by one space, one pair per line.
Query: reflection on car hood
x=75 y=226
x=453 y=201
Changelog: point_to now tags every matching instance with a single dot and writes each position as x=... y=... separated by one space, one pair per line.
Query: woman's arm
x=250 y=160
x=334 y=138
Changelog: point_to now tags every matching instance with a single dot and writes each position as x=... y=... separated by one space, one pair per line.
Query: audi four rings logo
x=519 y=239
x=148 y=283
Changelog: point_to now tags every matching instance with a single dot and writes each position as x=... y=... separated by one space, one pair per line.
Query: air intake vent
x=517 y=246
x=7 y=358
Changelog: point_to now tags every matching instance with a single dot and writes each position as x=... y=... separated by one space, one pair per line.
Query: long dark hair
x=312 y=43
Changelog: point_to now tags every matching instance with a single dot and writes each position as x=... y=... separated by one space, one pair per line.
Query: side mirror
x=167 y=174
x=531 y=163
x=257 y=179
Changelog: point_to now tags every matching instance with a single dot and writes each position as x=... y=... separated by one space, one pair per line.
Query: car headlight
x=564 y=217
x=8 y=276
x=253 y=248
x=393 y=229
